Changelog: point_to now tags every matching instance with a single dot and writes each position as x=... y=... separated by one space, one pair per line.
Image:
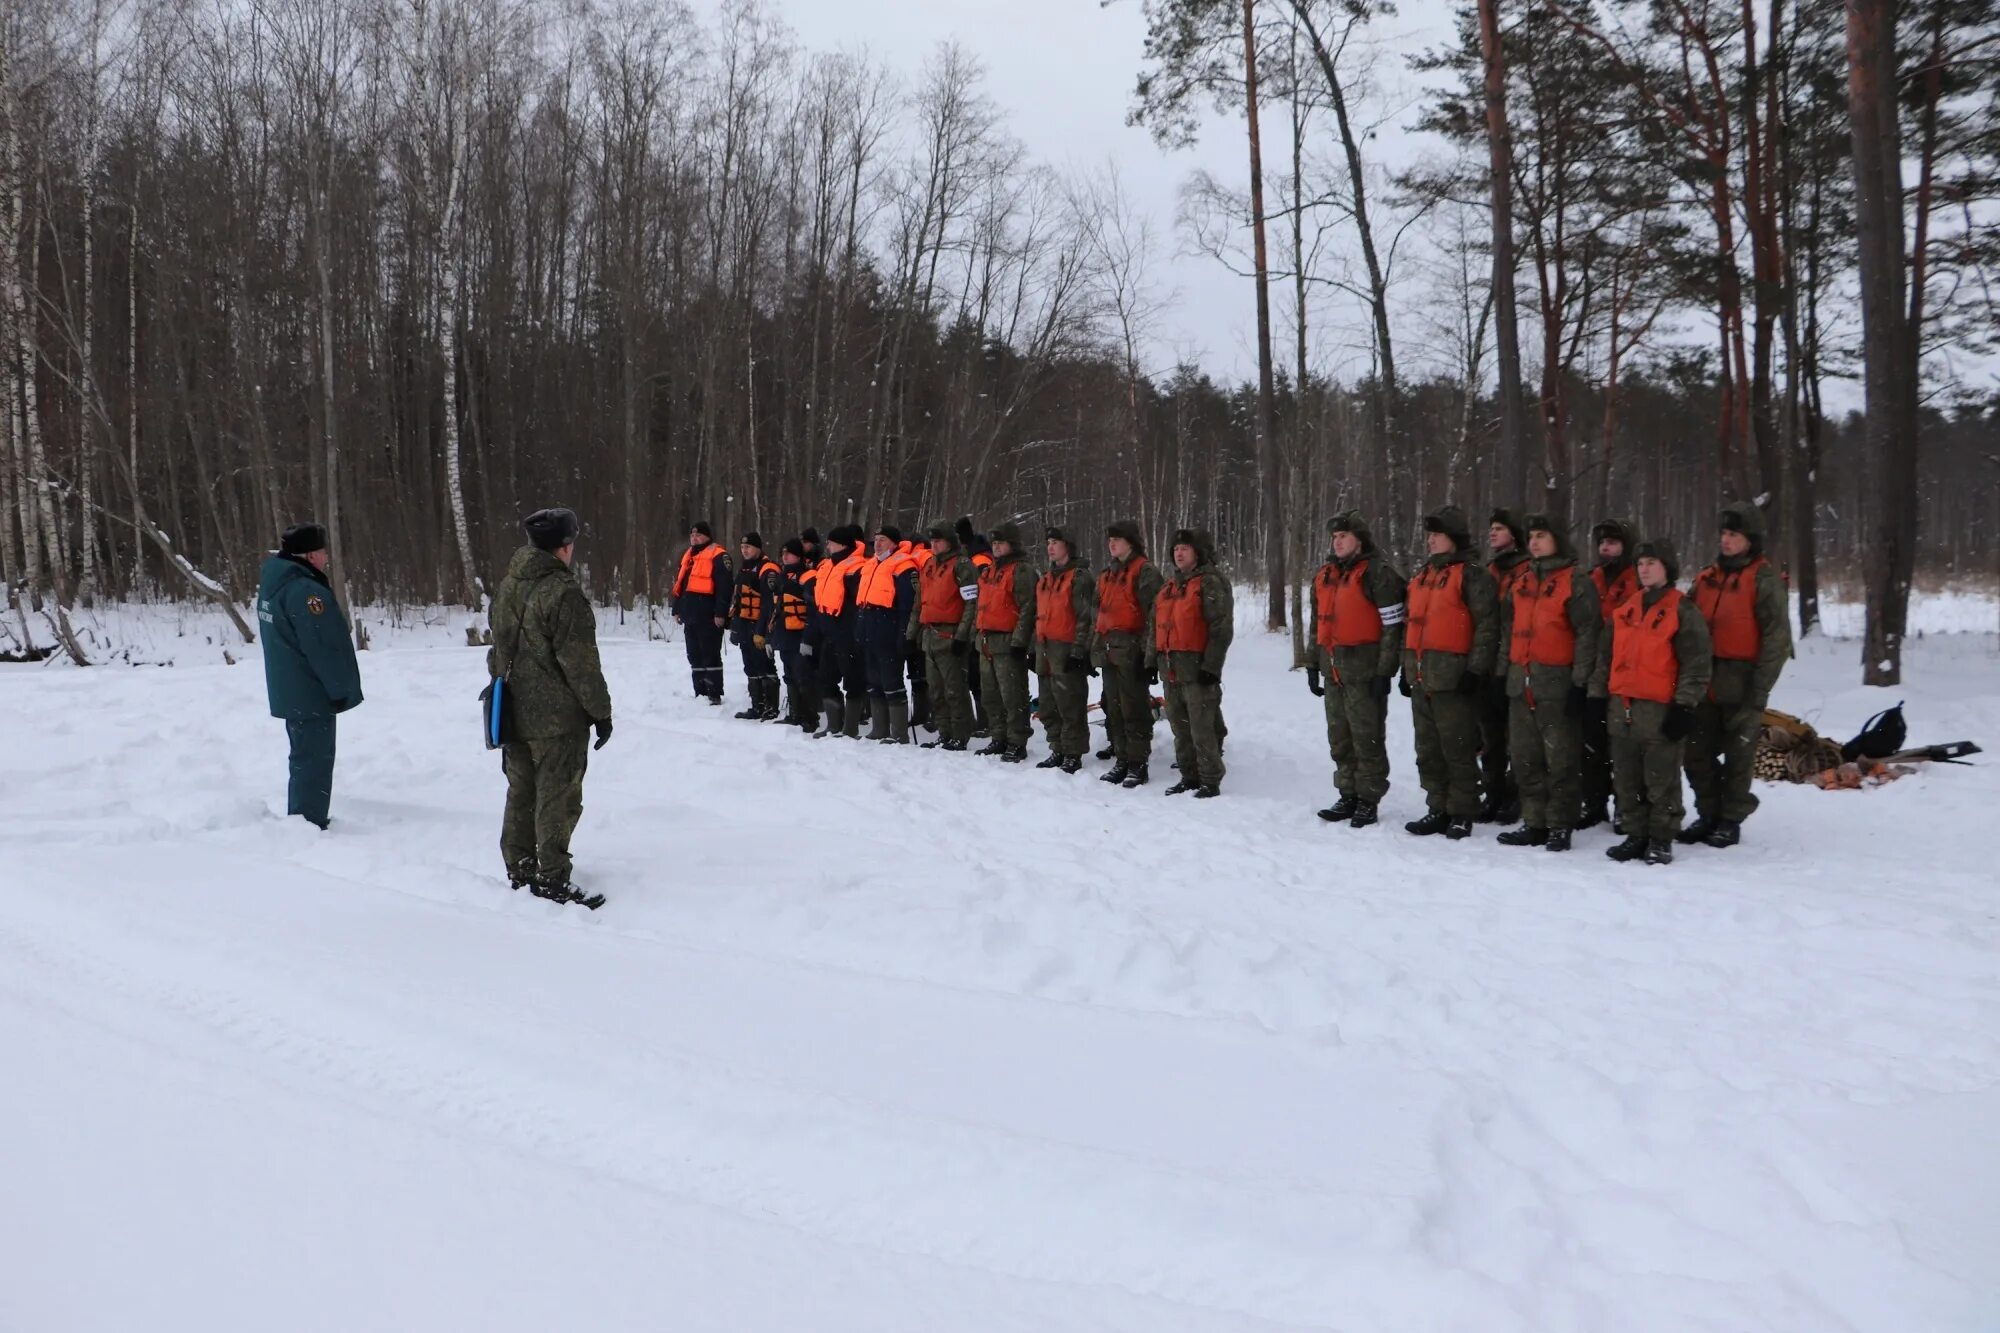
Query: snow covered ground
x=880 y=1039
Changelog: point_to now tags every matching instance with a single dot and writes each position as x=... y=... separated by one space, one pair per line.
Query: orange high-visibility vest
x=1613 y=593
x=1347 y=618
x=1643 y=662
x=997 y=609
x=1118 y=609
x=1178 y=624
x=937 y=583
x=1728 y=602
x=1055 y=610
x=697 y=572
x=1542 y=633
x=1440 y=621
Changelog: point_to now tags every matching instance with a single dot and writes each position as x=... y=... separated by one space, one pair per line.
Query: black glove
x=958 y=647
x=1152 y=676
x=1381 y=687
x=1678 y=722
x=1574 y=705
x=603 y=727
x=1474 y=683
x=1313 y=683
x=1403 y=684
x=1207 y=677
x=1018 y=654
x=1597 y=710
x=1079 y=664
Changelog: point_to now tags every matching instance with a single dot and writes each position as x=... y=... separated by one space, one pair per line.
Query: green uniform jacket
x=1385 y=586
x=1749 y=684
x=309 y=664
x=1218 y=609
x=545 y=644
x=967 y=575
x=1692 y=651
x=1442 y=671
x=1083 y=604
x=1586 y=618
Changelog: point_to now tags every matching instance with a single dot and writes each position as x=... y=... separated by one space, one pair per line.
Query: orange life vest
x=1643 y=662
x=1055 y=611
x=943 y=603
x=830 y=589
x=981 y=560
x=998 y=610
x=1440 y=621
x=1347 y=618
x=1613 y=593
x=1728 y=602
x=1178 y=624
x=1505 y=579
x=1542 y=634
x=697 y=572
x=878 y=578
x=1118 y=609
x=750 y=596
x=792 y=605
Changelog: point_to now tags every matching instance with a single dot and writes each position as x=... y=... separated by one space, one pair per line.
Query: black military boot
x=1659 y=853
x=1458 y=829
x=1108 y=752
x=1014 y=754
x=1053 y=761
x=1695 y=832
x=1595 y=813
x=920 y=707
x=899 y=721
x=1365 y=813
x=878 y=719
x=1072 y=763
x=1206 y=791
x=521 y=875
x=1525 y=836
x=755 y=710
x=1182 y=786
x=1437 y=821
x=1341 y=810
x=956 y=747
x=1727 y=833
x=994 y=746
x=1632 y=849
x=1558 y=840
x=1509 y=811
x=1118 y=773
x=1136 y=776
x=836 y=718
x=1489 y=809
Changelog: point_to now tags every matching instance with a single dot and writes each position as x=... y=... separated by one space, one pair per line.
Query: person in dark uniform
x=830 y=647
x=788 y=634
x=750 y=627
x=700 y=605
x=886 y=598
x=310 y=672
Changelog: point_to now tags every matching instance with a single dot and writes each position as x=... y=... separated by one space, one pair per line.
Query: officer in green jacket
x=1550 y=627
x=1004 y=634
x=310 y=671
x=1065 y=622
x=1450 y=640
x=545 y=649
x=1357 y=643
x=1194 y=621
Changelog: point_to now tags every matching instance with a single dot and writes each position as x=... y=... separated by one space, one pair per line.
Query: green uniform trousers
x=945 y=676
x=1356 y=718
x=1194 y=711
x=1447 y=727
x=1548 y=758
x=1128 y=701
x=1499 y=772
x=1645 y=771
x=1720 y=755
x=544 y=802
x=1003 y=684
x=1064 y=701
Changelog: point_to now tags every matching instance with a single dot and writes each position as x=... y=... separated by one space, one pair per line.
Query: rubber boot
x=878 y=718
x=836 y=717
x=856 y=705
x=899 y=722
x=920 y=706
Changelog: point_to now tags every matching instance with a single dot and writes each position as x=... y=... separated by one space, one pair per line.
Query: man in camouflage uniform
x=1654 y=671
x=1549 y=633
x=1500 y=801
x=1357 y=643
x=1747 y=609
x=545 y=649
x=1004 y=633
x=1616 y=583
x=1450 y=642
x=1122 y=651
x=942 y=624
x=1194 y=620
x=1065 y=607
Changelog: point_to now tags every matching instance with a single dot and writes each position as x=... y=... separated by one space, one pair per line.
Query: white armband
x=1393 y=615
x=969 y=591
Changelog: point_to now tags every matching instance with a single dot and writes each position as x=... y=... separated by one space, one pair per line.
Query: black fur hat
x=303 y=539
x=551 y=529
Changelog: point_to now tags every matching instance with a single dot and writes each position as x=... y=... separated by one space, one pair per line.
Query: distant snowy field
x=874 y=1039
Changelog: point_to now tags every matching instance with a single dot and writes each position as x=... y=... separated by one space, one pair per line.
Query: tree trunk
x=1509 y=466
x=1267 y=434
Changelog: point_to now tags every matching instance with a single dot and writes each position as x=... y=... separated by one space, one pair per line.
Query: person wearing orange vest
x=750 y=621
x=796 y=577
x=978 y=548
x=1194 y=621
x=942 y=622
x=700 y=603
x=830 y=646
x=1003 y=633
x=1747 y=609
x=1356 y=644
x=1616 y=583
x=1550 y=631
x=1450 y=642
x=1653 y=670
x=886 y=594
x=1500 y=801
x=1122 y=649
x=1065 y=607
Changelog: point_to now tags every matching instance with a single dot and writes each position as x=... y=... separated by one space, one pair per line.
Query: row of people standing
x=968 y=618
x=1539 y=690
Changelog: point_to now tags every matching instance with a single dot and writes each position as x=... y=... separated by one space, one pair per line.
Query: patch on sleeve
x=1393 y=615
x=316 y=604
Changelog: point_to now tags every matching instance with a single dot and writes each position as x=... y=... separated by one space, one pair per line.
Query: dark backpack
x=1883 y=736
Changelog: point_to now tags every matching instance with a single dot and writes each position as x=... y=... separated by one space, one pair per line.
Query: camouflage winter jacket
x=545 y=645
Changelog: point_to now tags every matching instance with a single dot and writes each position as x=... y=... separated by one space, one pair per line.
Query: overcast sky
x=1063 y=70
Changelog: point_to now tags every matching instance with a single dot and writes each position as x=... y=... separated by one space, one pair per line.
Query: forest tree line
x=416 y=267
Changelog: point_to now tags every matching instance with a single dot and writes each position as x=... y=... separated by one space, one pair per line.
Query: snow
x=880 y=1039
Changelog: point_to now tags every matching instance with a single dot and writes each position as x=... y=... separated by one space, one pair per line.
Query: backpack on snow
x=1883 y=736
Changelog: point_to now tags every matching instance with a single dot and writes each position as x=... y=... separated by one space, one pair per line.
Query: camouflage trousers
x=1194 y=711
x=1499 y=775
x=1003 y=684
x=544 y=802
x=1645 y=771
x=1548 y=759
x=1064 y=703
x=1447 y=727
x=1720 y=755
x=944 y=672
x=1128 y=701
x=1356 y=718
